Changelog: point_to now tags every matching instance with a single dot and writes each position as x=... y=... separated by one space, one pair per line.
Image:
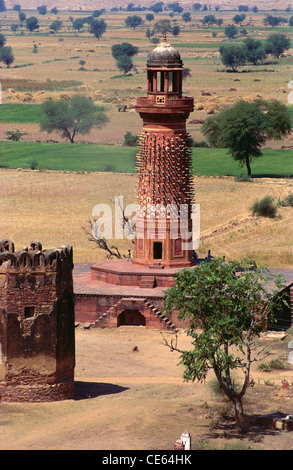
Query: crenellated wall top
x=34 y=258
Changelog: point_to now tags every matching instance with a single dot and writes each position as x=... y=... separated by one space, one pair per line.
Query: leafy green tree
x=125 y=48
x=6 y=56
x=196 y=6
x=243 y=8
x=16 y=7
x=133 y=21
x=209 y=20
x=71 y=117
x=98 y=28
x=245 y=127
x=88 y=20
x=157 y=7
x=149 y=33
x=274 y=20
x=22 y=17
x=277 y=43
x=162 y=27
x=78 y=24
x=56 y=25
x=230 y=31
x=97 y=13
x=232 y=56
x=149 y=17
x=124 y=63
x=175 y=7
x=2 y=40
x=2 y=5
x=254 y=50
x=239 y=18
x=14 y=27
x=54 y=11
x=176 y=30
x=32 y=23
x=42 y=9
x=123 y=54
x=186 y=17
x=227 y=306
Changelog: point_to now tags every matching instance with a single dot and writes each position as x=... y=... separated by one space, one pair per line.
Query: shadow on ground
x=84 y=390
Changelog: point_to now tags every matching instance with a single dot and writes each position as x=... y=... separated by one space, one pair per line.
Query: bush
x=130 y=140
x=15 y=136
x=274 y=364
x=200 y=144
x=33 y=164
x=287 y=201
x=265 y=207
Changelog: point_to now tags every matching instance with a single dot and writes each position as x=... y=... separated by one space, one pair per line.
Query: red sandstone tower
x=163 y=224
x=132 y=291
x=117 y=292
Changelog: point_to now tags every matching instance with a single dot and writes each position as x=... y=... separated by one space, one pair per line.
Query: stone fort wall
x=37 y=345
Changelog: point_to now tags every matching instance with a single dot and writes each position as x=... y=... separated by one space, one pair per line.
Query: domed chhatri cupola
x=164 y=55
x=164 y=70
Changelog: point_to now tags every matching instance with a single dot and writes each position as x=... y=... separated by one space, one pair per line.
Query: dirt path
x=136 y=400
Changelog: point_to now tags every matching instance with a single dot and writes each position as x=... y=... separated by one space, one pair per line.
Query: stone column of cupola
x=165 y=189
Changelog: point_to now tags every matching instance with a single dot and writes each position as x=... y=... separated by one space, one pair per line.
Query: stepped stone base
x=116 y=292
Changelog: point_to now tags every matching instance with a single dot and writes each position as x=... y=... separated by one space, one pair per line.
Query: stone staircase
x=148 y=282
x=143 y=305
x=169 y=325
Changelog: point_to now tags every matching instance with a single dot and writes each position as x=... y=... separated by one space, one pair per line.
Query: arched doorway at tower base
x=131 y=317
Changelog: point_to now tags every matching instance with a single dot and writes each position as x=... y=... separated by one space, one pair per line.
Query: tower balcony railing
x=163 y=100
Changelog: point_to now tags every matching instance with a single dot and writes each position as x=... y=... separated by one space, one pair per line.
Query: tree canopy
x=123 y=54
x=277 y=43
x=124 y=63
x=77 y=115
x=97 y=28
x=157 y=7
x=125 y=48
x=226 y=306
x=162 y=27
x=56 y=25
x=32 y=23
x=232 y=55
x=230 y=31
x=42 y=9
x=133 y=21
x=6 y=56
x=78 y=24
x=245 y=127
x=254 y=50
x=2 y=40
x=2 y=5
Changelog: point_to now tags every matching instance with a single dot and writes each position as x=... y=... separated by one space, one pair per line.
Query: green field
x=20 y=113
x=120 y=159
x=32 y=113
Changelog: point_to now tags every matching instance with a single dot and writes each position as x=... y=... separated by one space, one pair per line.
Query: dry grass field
x=128 y=400
x=59 y=55
x=54 y=206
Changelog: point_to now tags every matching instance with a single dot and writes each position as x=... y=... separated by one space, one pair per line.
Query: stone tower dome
x=164 y=55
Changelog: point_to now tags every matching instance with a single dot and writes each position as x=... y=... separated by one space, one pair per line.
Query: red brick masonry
x=104 y=290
